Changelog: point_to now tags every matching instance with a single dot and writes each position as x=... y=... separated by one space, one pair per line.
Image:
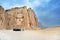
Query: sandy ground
x=30 y=35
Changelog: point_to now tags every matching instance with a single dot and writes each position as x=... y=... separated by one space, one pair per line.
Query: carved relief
x=18 y=18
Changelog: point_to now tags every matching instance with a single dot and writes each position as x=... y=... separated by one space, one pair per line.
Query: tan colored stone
x=32 y=18
x=19 y=17
x=2 y=18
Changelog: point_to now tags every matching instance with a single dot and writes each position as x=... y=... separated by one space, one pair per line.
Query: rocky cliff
x=18 y=17
x=2 y=18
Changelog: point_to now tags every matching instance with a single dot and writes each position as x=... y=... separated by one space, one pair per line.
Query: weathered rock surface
x=18 y=17
x=2 y=18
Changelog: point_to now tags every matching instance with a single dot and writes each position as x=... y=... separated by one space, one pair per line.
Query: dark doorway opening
x=16 y=29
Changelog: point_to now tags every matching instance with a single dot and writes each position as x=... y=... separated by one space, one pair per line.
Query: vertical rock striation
x=18 y=17
x=2 y=18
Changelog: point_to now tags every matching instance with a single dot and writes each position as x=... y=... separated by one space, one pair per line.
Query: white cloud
x=32 y=4
x=36 y=3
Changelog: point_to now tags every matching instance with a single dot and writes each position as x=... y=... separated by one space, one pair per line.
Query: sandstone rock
x=20 y=17
x=32 y=18
x=2 y=18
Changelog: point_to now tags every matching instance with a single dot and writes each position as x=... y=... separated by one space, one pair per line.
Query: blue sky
x=47 y=11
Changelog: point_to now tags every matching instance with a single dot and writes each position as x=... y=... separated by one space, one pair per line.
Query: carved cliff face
x=2 y=18
x=20 y=17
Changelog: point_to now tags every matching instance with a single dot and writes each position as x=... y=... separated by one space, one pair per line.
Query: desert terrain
x=45 y=34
